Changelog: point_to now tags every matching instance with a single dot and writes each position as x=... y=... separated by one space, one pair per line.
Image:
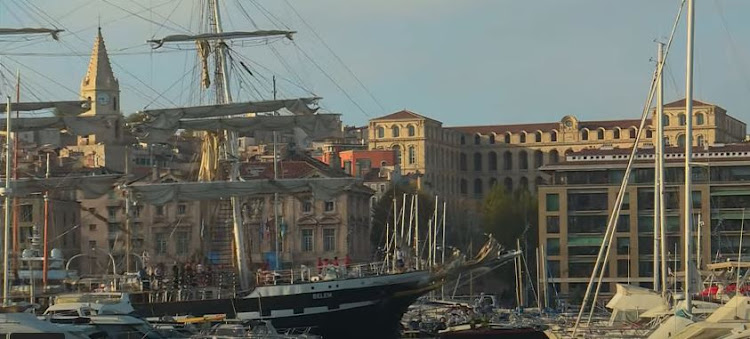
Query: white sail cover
x=60 y=108
x=223 y=36
x=159 y=194
x=74 y=125
x=92 y=186
x=315 y=126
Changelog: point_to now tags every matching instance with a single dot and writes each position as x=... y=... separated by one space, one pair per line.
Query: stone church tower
x=101 y=88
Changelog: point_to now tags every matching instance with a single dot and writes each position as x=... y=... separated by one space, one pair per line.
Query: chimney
x=334 y=161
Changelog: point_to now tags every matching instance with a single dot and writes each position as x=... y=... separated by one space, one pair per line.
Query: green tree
x=509 y=216
x=383 y=212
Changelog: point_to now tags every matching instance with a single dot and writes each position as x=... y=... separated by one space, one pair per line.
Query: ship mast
x=688 y=197
x=223 y=96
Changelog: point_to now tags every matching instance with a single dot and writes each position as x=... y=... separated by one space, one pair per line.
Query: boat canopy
x=159 y=194
x=221 y=36
x=315 y=126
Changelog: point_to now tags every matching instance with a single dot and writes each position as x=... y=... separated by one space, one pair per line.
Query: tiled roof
x=287 y=170
x=402 y=115
x=681 y=103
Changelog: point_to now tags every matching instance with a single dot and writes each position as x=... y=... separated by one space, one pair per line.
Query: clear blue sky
x=463 y=62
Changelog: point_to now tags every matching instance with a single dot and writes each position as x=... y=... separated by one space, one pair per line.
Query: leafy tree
x=509 y=216
x=383 y=212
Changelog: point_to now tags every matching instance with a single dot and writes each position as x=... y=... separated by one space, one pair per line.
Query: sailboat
x=362 y=300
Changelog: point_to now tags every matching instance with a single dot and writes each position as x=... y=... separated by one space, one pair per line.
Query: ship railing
x=306 y=274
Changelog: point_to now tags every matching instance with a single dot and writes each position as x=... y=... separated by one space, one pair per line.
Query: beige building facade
x=575 y=205
x=467 y=161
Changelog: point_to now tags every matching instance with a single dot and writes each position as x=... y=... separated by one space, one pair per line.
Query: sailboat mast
x=660 y=171
x=275 y=194
x=6 y=229
x=687 y=208
x=223 y=95
x=658 y=151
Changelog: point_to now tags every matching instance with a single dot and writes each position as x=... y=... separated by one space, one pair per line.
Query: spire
x=99 y=74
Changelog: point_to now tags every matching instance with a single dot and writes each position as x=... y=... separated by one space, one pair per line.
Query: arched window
x=477 y=187
x=492 y=161
x=538 y=159
x=554 y=156
x=493 y=182
x=523 y=184
x=462 y=162
x=412 y=155
x=523 y=137
x=553 y=136
x=508 y=183
x=411 y=130
x=464 y=187
x=633 y=132
x=665 y=121
x=538 y=136
x=492 y=139
x=585 y=134
x=477 y=161
x=507 y=161
x=649 y=134
x=700 y=141
x=617 y=133
x=463 y=140
x=394 y=131
x=397 y=150
x=507 y=138
x=523 y=160
x=600 y=134
x=699 y=119
x=114 y=103
x=477 y=139
x=568 y=152
x=681 y=118
x=681 y=140
x=381 y=132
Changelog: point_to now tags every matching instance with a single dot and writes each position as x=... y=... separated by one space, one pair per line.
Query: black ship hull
x=368 y=307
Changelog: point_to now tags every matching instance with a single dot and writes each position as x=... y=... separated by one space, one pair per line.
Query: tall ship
x=344 y=300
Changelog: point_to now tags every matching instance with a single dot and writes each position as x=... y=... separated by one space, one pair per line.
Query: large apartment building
x=575 y=205
x=469 y=160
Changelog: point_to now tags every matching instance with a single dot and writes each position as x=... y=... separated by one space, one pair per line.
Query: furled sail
x=11 y=31
x=315 y=126
x=60 y=108
x=159 y=194
x=297 y=106
x=222 y=36
x=74 y=125
x=92 y=186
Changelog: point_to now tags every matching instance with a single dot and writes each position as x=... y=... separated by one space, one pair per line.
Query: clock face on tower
x=102 y=98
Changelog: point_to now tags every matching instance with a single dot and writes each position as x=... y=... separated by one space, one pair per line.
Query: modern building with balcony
x=574 y=209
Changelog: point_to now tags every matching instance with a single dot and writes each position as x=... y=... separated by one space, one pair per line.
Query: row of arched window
x=700 y=119
x=508 y=184
x=507 y=160
x=538 y=136
x=411 y=131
